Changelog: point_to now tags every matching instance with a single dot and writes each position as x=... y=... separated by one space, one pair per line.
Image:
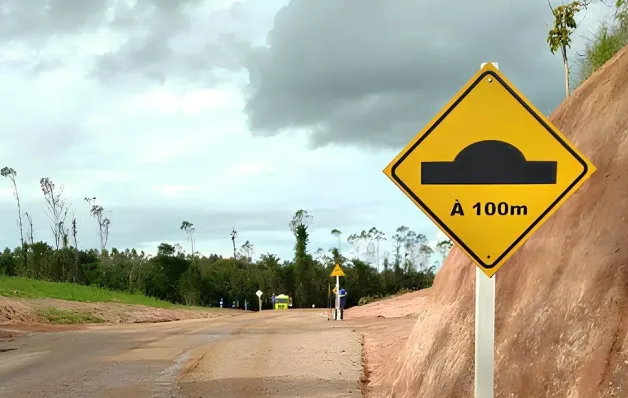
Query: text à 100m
x=491 y=209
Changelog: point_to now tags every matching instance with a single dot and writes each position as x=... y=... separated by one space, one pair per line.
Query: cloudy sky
x=238 y=113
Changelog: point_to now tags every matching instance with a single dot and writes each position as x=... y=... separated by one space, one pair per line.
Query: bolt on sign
x=489 y=169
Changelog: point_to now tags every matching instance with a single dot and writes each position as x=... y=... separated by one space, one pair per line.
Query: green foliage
x=65 y=317
x=621 y=12
x=611 y=37
x=371 y=299
x=559 y=37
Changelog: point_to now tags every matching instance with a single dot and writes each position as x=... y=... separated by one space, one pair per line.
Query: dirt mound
x=24 y=313
x=562 y=300
x=396 y=307
x=12 y=312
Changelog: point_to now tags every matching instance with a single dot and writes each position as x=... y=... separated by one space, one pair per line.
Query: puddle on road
x=165 y=383
x=173 y=370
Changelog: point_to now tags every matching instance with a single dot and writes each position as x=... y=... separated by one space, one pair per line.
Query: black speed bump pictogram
x=489 y=162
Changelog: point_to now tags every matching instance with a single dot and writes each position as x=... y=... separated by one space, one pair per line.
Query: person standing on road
x=343 y=294
x=273 y=298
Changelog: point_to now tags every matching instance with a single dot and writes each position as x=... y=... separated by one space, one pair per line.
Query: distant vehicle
x=282 y=302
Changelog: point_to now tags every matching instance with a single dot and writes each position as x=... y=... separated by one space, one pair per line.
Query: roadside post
x=489 y=169
x=328 y=301
x=259 y=298
x=337 y=272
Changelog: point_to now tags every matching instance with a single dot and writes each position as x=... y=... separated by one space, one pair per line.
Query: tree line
x=189 y=277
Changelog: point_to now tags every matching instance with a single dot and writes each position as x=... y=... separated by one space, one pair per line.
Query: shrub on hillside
x=609 y=39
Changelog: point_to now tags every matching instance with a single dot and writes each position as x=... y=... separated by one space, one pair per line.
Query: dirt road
x=296 y=353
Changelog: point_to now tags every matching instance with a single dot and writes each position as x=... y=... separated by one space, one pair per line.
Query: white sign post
x=484 y=329
x=484 y=334
x=337 y=297
x=259 y=297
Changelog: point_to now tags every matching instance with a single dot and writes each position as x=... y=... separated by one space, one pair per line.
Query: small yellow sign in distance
x=337 y=271
x=489 y=169
x=335 y=290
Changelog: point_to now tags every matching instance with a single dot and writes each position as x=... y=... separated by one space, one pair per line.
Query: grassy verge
x=31 y=288
x=65 y=317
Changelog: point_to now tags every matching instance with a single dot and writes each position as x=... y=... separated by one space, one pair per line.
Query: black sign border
x=424 y=207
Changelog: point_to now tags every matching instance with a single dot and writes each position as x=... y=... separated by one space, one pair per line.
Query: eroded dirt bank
x=18 y=313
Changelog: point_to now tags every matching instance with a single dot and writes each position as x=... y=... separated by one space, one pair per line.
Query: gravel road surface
x=295 y=353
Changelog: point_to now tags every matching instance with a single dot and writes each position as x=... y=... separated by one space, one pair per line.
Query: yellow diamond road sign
x=489 y=169
x=337 y=271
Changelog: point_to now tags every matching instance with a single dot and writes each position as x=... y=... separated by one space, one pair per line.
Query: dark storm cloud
x=39 y=20
x=162 y=44
x=157 y=34
x=374 y=72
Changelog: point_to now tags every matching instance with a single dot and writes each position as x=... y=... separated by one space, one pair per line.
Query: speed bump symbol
x=489 y=162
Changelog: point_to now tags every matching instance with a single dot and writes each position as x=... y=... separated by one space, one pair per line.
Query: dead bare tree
x=74 y=232
x=97 y=212
x=189 y=229
x=11 y=174
x=76 y=254
x=247 y=250
x=56 y=209
x=29 y=231
x=234 y=235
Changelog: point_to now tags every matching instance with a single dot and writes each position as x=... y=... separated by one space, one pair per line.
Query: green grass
x=31 y=288
x=608 y=41
x=65 y=317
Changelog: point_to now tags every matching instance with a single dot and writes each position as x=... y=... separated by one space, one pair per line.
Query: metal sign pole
x=484 y=331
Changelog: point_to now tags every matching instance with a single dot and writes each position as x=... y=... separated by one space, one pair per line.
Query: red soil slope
x=562 y=300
